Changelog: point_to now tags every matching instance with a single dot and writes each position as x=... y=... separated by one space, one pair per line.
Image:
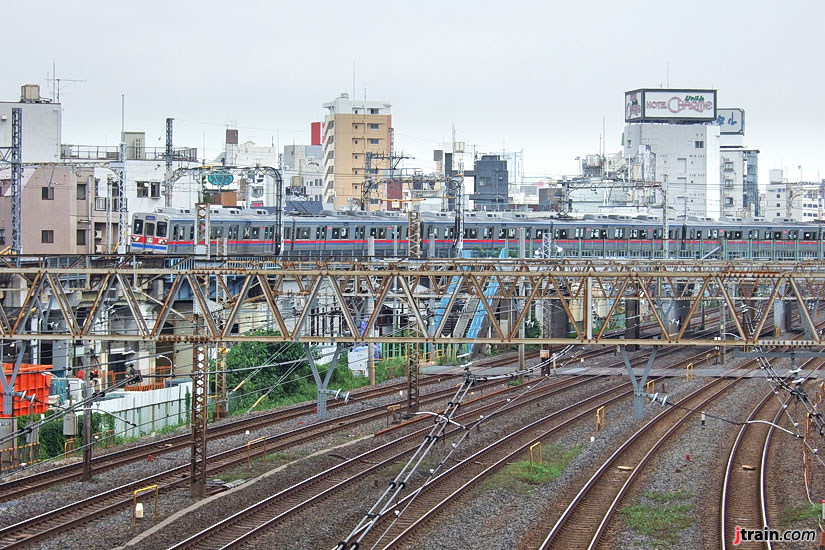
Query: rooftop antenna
x=56 y=82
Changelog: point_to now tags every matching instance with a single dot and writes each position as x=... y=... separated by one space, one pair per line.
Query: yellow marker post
x=69 y=445
x=600 y=418
x=141 y=491
x=534 y=445
x=689 y=371
x=249 y=453
x=650 y=386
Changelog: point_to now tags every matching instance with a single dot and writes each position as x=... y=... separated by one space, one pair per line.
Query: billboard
x=731 y=121
x=658 y=105
x=633 y=105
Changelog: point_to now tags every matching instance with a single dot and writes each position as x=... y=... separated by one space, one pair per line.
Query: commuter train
x=345 y=235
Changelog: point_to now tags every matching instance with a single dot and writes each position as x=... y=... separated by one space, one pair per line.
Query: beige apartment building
x=351 y=130
x=63 y=211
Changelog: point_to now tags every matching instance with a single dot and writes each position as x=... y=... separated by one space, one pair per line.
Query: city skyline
x=522 y=78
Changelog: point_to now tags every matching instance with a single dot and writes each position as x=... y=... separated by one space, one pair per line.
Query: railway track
x=87 y=509
x=743 y=499
x=584 y=521
x=252 y=522
x=16 y=488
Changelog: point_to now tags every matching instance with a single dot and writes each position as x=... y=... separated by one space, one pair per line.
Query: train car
x=346 y=235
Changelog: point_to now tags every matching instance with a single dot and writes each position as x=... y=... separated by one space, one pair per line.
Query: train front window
x=161 y=229
x=137 y=228
x=149 y=228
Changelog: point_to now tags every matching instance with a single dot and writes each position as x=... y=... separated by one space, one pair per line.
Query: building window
x=46 y=235
x=777 y=205
x=778 y=196
x=373 y=111
x=728 y=166
x=355 y=172
x=47 y=193
x=699 y=144
x=81 y=237
x=373 y=141
x=2 y=236
x=729 y=184
x=81 y=191
x=373 y=126
x=728 y=201
x=354 y=126
x=146 y=189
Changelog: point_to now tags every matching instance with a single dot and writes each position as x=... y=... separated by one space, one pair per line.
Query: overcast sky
x=514 y=75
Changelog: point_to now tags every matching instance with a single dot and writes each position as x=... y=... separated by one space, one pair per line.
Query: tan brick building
x=351 y=130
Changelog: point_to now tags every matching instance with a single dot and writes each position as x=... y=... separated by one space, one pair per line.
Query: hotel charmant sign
x=666 y=105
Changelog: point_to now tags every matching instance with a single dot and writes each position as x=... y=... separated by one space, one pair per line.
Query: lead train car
x=346 y=235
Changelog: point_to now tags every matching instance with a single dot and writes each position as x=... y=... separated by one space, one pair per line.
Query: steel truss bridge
x=71 y=298
x=430 y=294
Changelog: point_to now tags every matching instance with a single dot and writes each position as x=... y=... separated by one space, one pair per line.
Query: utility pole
x=87 y=426
x=16 y=179
x=169 y=156
x=119 y=168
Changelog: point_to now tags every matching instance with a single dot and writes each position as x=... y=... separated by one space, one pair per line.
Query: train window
x=511 y=233
x=137 y=228
x=256 y=232
x=561 y=233
x=269 y=232
x=320 y=233
x=175 y=232
x=360 y=231
x=287 y=231
x=768 y=235
x=753 y=234
x=470 y=233
x=335 y=233
x=191 y=232
x=149 y=229
x=434 y=232
x=634 y=233
x=713 y=233
x=792 y=234
x=657 y=233
x=233 y=232
x=486 y=232
x=344 y=232
x=603 y=233
x=594 y=233
x=502 y=233
x=737 y=234
x=578 y=232
x=304 y=232
x=247 y=231
x=373 y=232
x=449 y=232
x=618 y=232
x=643 y=233
x=382 y=232
x=777 y=235
x=539 y=233
x=806 y=236
x=161 y=229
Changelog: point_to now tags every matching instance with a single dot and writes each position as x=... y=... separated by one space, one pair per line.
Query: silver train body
x=346 y=235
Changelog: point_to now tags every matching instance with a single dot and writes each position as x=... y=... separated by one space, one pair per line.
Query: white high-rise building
x=686 y=160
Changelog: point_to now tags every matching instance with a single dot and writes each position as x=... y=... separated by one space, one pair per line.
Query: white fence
x=151 y=410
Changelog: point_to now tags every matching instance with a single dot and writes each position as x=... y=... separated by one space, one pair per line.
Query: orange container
x=30 y=379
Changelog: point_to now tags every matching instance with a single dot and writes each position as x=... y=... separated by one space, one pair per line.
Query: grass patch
x=661 y=516
x=519 y=477
x=235 y=475
x=515 y=382
x=804 y=512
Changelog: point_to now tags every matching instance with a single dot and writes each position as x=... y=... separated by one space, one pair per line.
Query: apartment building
x=352 y=130
x=801 y=201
